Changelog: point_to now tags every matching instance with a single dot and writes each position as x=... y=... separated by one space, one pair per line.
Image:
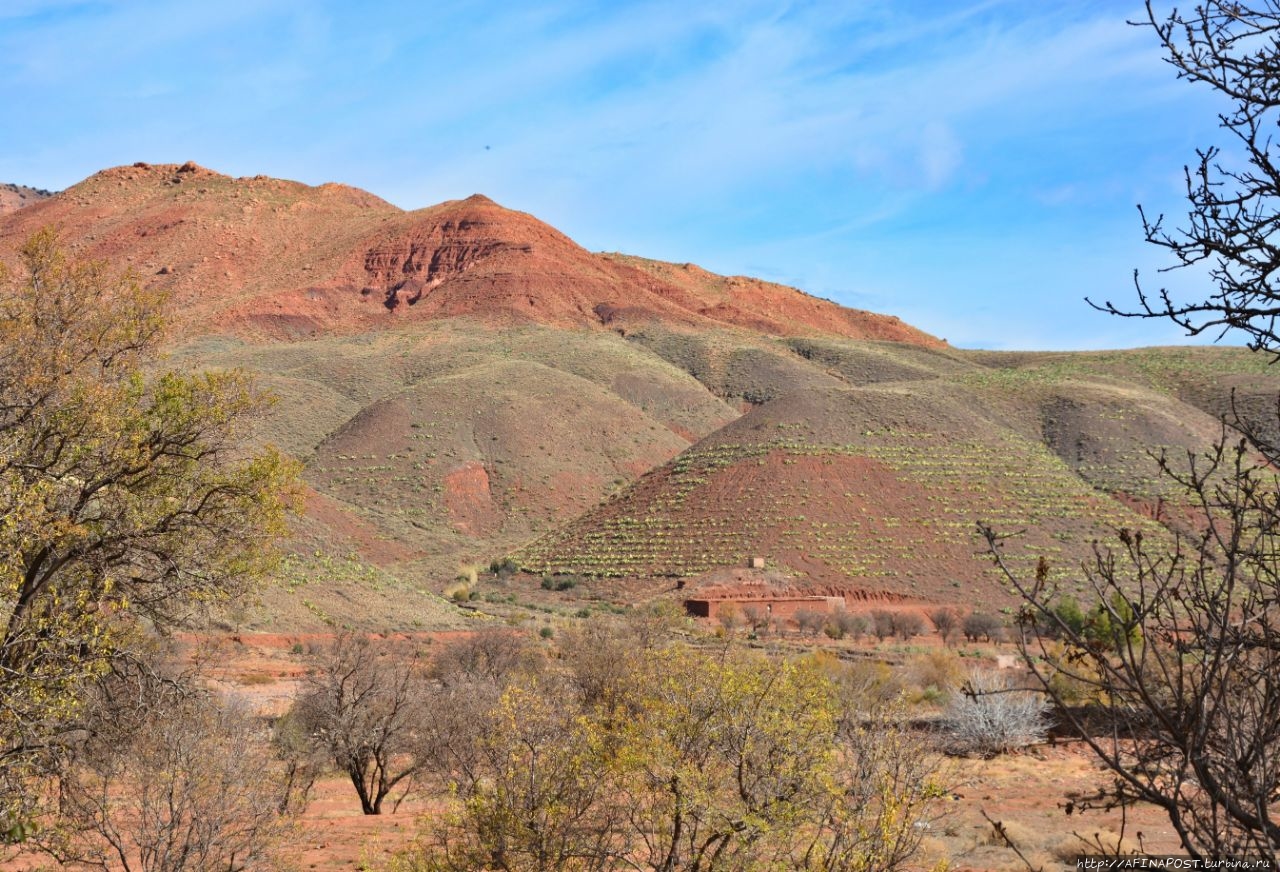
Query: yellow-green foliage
x=719 y=759
x=122 y=494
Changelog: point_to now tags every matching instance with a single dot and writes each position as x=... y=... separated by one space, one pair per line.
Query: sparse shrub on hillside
x=882 y=624
x=504 y=568
x=810 y=622
x=843 y=624
x=907 y=625
x=559 y=582
x=459 y=591
x=979 y=625
x=989 y=716
x=945 y=621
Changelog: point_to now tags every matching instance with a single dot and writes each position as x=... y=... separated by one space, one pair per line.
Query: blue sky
x=972 y=167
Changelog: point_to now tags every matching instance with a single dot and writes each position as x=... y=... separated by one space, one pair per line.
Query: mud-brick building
x=777 y=607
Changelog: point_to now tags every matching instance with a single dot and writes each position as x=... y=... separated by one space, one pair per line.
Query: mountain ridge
x=270 y=258
x=464 y=383
x=14 y=197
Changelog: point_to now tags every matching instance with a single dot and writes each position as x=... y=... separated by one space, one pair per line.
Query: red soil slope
x=14 y=197
x=268 y=258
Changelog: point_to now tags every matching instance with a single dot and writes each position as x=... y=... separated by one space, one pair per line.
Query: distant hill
x=267 y=258
x=464 y=382
x=14 y=197
x=870 y=485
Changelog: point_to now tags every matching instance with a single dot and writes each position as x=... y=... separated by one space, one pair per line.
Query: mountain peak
x=259 y=256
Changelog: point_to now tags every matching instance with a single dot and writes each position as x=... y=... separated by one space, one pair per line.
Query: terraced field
x=665 y=454
x=879 y=489
x=464 y=382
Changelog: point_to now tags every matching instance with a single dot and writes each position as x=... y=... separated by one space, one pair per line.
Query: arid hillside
x=870 y=485
x=267 y=258
x=14 y=197
x=464 y=383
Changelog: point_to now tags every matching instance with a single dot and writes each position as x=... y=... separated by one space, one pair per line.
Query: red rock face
x=404 y=268
x=469 y=500
x=266 y=257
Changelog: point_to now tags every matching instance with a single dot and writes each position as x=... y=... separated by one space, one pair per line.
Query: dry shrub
x=185 y=782
x=730 y=618
x=810 y=622
x=946 y=621
x=943 y=671
x=844 y=624
x=757 y=618
x=1021 y=835
x=1104 y=842
x=493 y=655
x=601 y=656
x=992 y=717
x=882 y=623
x=981 y=626
x=866 y=685
x=907 y=624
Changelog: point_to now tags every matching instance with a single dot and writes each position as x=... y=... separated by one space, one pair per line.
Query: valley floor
x=1026 y=792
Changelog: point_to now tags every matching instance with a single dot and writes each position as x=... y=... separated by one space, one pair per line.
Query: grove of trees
x=659 y=755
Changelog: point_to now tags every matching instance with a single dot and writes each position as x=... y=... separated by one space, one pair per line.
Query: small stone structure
x=778 y=607
x=756 y=592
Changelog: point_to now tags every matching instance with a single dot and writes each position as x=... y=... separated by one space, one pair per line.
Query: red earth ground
x=1027 y=792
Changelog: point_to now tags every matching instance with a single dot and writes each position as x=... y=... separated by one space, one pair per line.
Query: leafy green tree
x=1067 y=610
x=126 y=497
